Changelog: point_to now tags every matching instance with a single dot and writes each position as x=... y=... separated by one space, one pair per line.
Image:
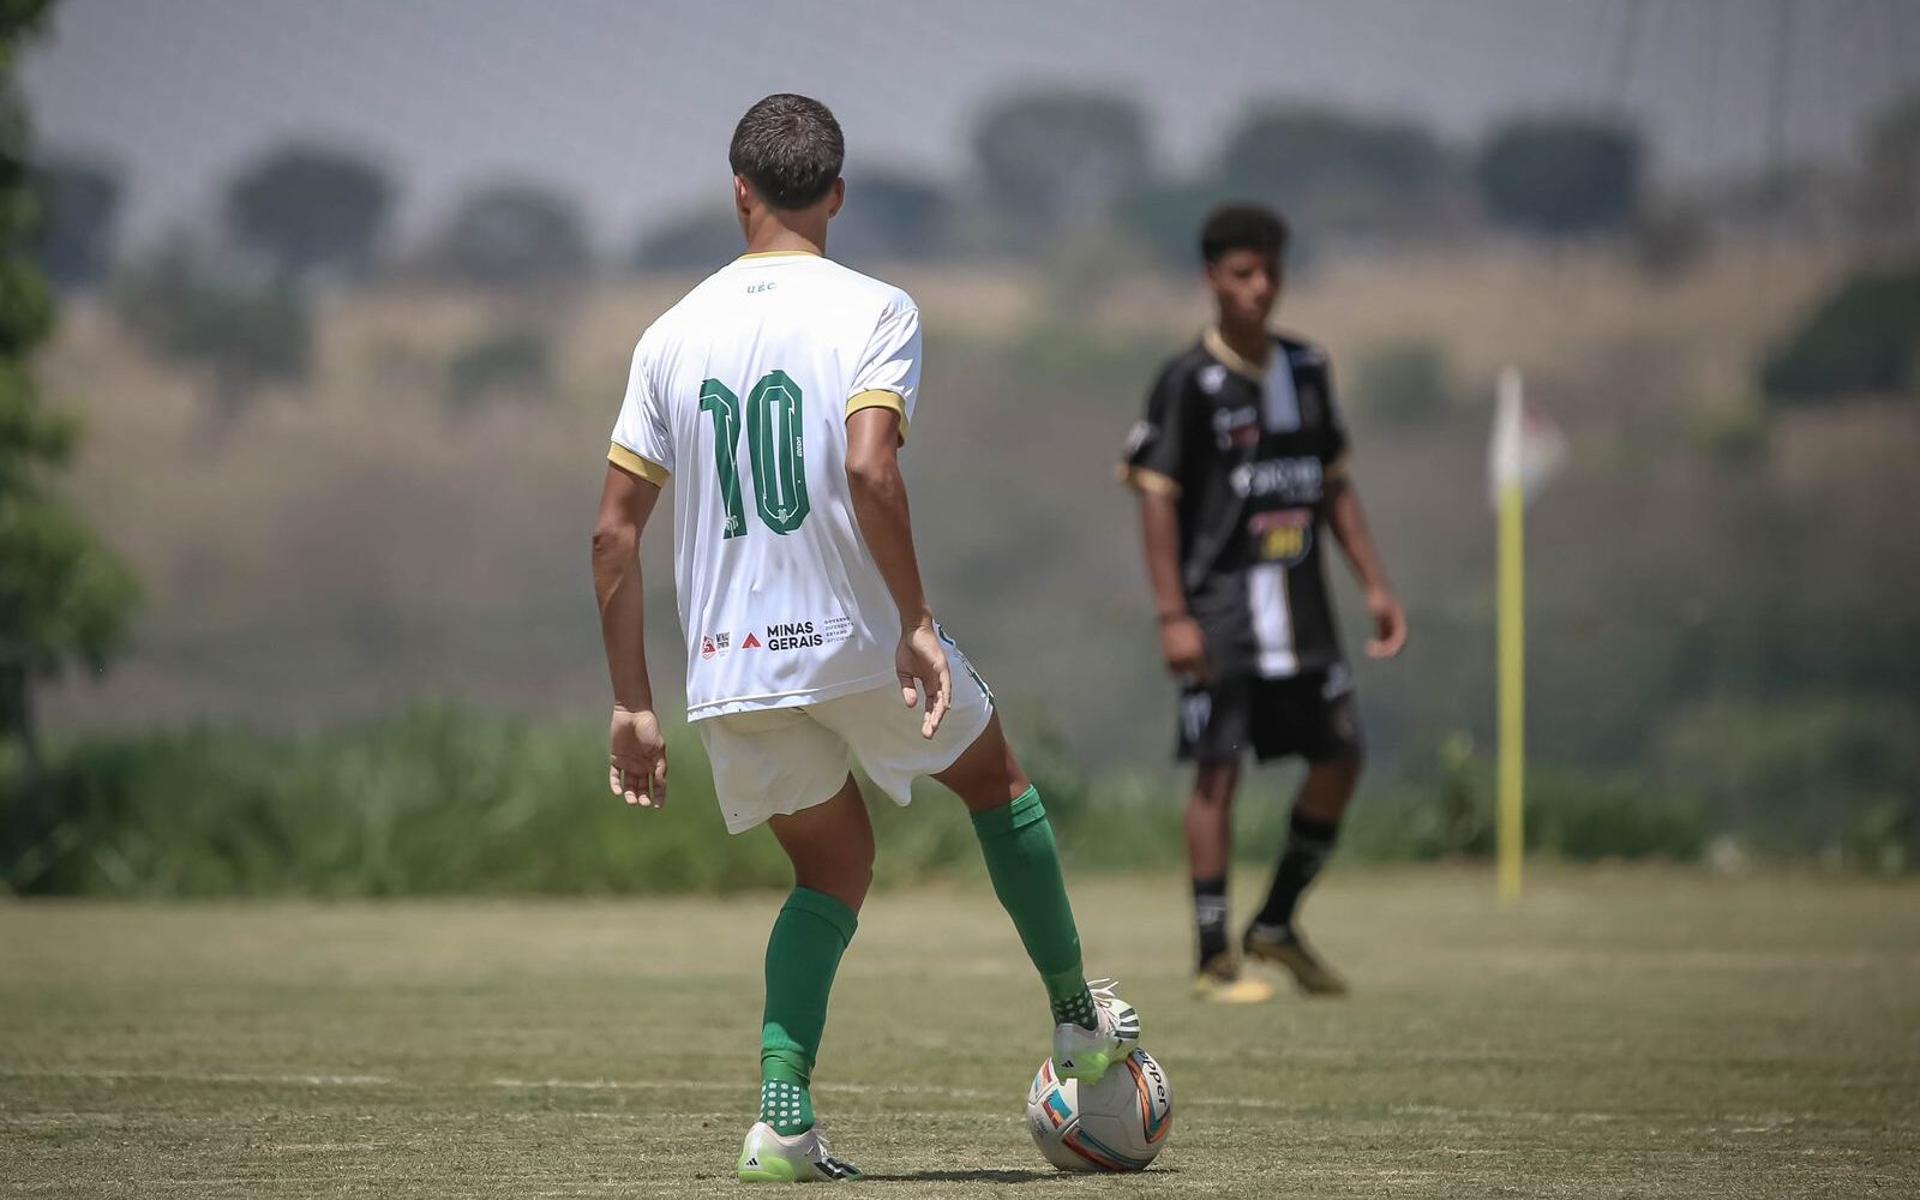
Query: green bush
x=511 y=235
x=700 y=239
x=511 y=362
x=438 y=802
x=1837 y=776
x=1584 y=815
x=1563 y=175
x=206 y=307
x=1339 y=172
x=1865 y=338
x=1735 y=434
x=1571 y=813
x=447 y=802
x=1403 y=383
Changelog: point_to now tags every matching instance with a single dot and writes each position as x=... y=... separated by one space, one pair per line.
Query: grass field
x=1626 y=1033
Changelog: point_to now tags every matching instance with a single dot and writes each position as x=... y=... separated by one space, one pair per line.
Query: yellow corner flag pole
x=1511 y=499
x=1513 y=679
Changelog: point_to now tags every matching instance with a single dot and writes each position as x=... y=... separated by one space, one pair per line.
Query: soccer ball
x=1118 y=1124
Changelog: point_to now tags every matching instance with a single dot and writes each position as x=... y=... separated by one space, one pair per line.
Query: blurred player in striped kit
x=1241 y=467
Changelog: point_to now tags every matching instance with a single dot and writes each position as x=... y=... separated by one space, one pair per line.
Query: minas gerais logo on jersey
x=793 y=635
x=802 y=635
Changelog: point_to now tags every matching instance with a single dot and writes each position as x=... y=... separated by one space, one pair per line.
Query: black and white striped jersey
x=1249 y=451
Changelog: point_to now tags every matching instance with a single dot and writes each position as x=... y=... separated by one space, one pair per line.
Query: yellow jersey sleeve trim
x=633 y=464
x=879 y=399
x=1230 y=358
x=1152 y=482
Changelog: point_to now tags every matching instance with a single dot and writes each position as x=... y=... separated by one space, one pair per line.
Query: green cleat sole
x=776 y=1171
x=1092 y=1069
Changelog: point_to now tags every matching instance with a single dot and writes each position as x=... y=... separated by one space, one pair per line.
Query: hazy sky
x=629 y=104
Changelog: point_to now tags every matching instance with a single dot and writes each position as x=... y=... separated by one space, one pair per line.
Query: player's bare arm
x=1349 y=522
x=637 y=753
x=880 y=508
x=1182 y=644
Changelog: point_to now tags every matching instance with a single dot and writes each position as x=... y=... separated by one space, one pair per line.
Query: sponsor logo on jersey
x=1292 y=480
x=707 y=648
x=1211 y=378
x=799 y=635
x=715 y=644
x=793 y=635
x=1284 y=536
x=1238 y=426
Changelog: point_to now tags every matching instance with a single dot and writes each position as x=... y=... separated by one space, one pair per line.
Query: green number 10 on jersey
x=775 y=445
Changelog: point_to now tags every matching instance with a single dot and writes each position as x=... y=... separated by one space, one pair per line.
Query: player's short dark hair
x=1243 y=227
x=789 y=149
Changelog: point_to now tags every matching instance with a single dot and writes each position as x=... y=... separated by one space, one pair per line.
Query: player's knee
x=1353 y=763
x=986 y=776
x=846 y=877
x=1213 y=786
x=859 y=878
x=1340 y=775
x=857 y=867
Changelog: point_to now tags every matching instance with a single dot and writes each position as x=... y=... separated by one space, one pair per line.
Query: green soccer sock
x=803 y=952
x=1024 y=864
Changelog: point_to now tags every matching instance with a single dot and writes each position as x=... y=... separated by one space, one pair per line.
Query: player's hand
x=921 y=663
x=637 y=768
x=1389 y=624
x=1184 y=647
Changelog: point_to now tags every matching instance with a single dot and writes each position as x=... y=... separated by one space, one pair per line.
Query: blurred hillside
x=384 y=532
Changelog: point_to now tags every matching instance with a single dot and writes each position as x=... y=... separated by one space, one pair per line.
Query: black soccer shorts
x=1311 y=715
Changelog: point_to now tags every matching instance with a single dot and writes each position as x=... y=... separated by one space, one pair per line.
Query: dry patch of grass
x=1643 y=1033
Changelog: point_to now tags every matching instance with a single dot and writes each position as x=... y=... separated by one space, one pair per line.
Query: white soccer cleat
x=769 y=1158
x=1085 y=1054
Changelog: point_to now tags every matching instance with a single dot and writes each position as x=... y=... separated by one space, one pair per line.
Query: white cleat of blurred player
x=1085 y=1054
x=803 y=1158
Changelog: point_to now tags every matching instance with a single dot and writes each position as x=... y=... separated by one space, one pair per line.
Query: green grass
x=1645 y=1032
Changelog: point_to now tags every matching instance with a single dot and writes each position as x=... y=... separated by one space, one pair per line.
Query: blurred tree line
x=1053 y=175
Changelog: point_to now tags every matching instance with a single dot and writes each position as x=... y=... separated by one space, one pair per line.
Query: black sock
x=1309 y=842
x=1210 y=916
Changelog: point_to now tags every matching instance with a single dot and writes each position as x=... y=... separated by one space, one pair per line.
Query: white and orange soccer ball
x=1118 y=1124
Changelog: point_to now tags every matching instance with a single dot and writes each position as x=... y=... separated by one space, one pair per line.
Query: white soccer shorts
x=778 y=761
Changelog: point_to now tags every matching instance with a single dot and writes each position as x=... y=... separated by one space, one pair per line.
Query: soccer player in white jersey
x=778 y=393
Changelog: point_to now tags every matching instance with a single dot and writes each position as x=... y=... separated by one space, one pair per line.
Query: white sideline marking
x=197 y=1077
x=1745 y=1122
x=865 y=1089
x=713 y=1085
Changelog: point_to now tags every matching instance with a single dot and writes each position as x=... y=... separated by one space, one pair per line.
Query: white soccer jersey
x=741 y=392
